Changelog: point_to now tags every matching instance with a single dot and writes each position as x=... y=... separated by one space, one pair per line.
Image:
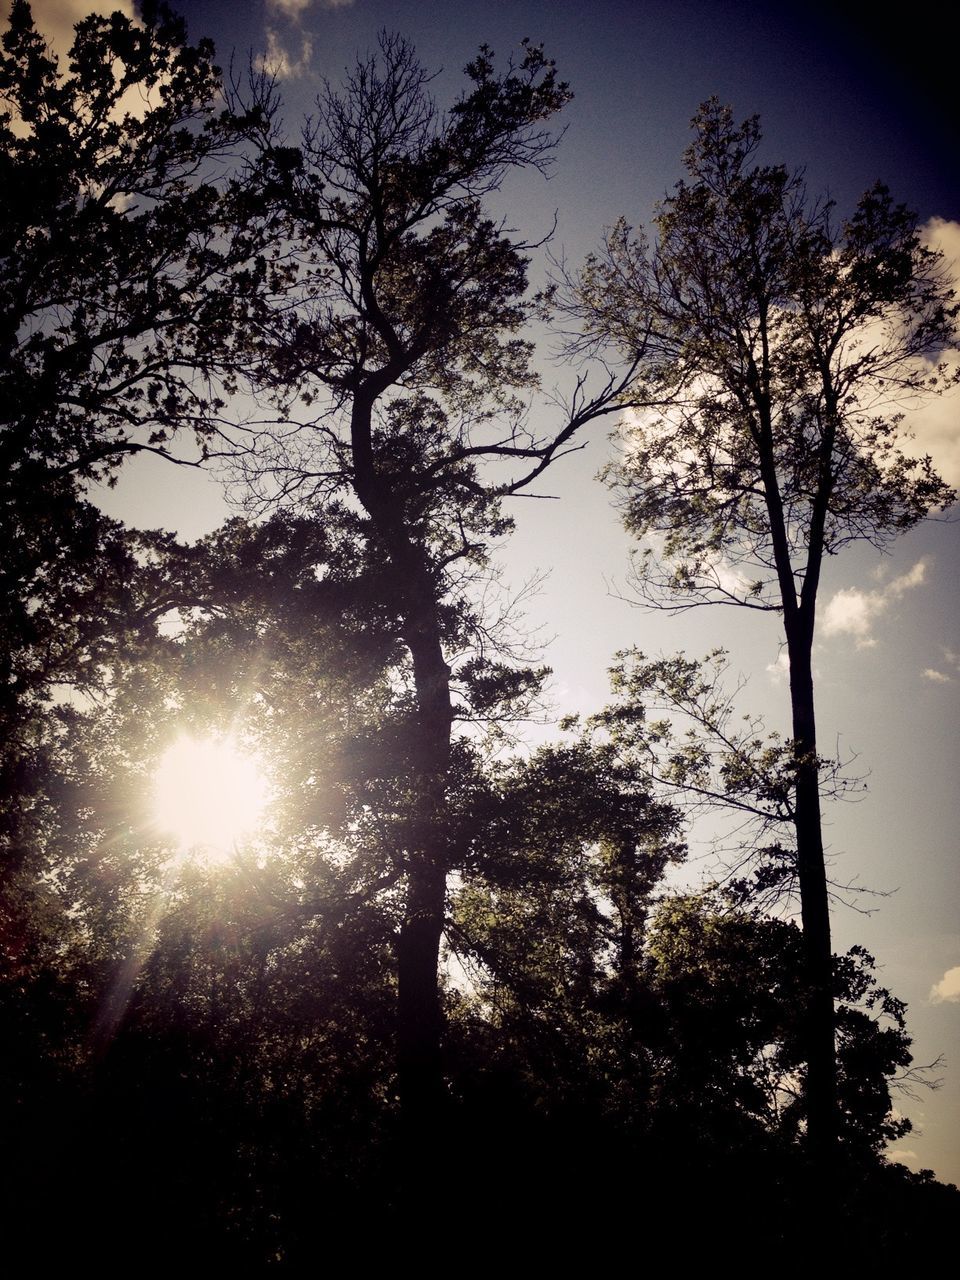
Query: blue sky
x=850 y=104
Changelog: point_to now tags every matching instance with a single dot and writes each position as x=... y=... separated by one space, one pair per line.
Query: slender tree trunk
x=628 y=892
x=798 y=620
x=420 y=1078
x=814 y=902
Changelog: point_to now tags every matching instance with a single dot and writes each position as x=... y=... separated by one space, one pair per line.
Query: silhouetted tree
x=131 y=248
x=208 y=1059
x=149 y=1004
x=238 y=1022
x=131 y=254
x=776 y=350
x=399 y=361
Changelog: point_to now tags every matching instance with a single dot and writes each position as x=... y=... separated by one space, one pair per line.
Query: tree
x=131 y=254
x=132 y=983
x=732 y=981
x=398 y=364
x=776 y=350
x=613 y=1024
x=249 y=1041
x=132 y=251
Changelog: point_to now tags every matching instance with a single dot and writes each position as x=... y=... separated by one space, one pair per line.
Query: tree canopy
x=130 y=249
x=437 y=951
x=778 y=349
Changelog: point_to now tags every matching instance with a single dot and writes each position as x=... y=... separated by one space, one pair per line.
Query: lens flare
x=208 y=795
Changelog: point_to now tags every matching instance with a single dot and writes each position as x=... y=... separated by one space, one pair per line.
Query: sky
x=849 y=102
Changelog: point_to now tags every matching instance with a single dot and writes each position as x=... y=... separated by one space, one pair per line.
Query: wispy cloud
x=903 y=1155
x=853 y=612
x=289 y=8
x=779 y=671
x=294 y=9
x=289 y=45
x=947 y=990
x=278 y=60
x=937 y=676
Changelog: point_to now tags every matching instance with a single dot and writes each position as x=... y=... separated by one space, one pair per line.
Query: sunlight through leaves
x=208 y=795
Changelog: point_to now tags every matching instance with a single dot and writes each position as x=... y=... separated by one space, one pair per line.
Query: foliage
x=773 y=351
x=206 y=1058
x=406 y=274
x=131 y=255
x=778 y=349
x=732 y=981
x=238 y=1023
x=398 y=368
x=398 y=354
x=677 y=721
x=131 y=251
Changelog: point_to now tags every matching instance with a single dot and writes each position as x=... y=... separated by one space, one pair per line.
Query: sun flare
x=208 y=794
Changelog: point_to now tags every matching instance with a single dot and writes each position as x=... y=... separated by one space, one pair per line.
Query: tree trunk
x=419 y=1033
x=814 y=902
x=420 y=1078
x=419 y=1021
x=798 y=620
x=419 y=1067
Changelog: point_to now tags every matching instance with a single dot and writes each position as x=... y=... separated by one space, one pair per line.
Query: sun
x=208 y=795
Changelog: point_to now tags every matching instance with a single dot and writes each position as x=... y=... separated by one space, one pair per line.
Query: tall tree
x=777 y=348
x=400 y=365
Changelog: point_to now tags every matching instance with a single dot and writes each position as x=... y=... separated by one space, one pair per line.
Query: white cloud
x=289 y=8
x=950 y=659
x=938 y=677
x=936 y=424
x=294 y=9
x=728 y=577
x=912 y=578
x=853 y=612
x=943 y=235
x=279 y=61
x=948 y=988
x=935 y=427
x=780 y=670
x=931 y=422
x=903 y=1156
